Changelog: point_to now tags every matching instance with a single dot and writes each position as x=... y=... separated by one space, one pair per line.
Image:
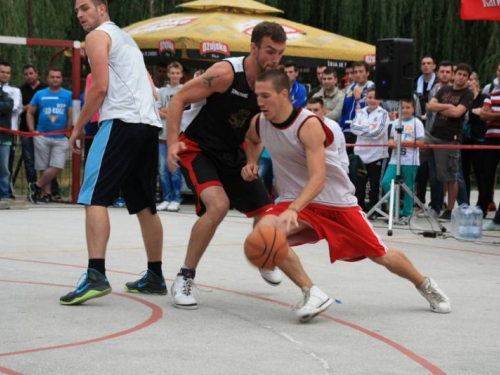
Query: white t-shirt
x=130 y=95
x=16 y=96
x=165 y=94
x=371 y=127
x=413 y=130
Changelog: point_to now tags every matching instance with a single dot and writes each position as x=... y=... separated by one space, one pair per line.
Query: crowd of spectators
x=448 y=108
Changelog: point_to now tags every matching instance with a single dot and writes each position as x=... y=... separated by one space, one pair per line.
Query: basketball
x=266 y=247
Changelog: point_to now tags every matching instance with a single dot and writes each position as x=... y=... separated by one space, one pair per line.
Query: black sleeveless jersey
x=220 y=124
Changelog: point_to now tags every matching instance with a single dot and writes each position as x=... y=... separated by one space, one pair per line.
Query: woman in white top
x=413 y=135
x=371 y=127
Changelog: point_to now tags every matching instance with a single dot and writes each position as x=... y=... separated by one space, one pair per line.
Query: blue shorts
x=123 y=157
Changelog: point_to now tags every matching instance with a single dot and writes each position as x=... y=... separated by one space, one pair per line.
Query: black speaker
x=394 y=69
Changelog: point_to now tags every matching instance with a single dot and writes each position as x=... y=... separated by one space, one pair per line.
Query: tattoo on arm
x=209 y=79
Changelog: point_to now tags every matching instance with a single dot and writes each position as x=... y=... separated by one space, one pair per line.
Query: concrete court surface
x=243 y=325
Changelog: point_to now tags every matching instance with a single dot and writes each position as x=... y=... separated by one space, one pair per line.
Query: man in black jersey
x=210 y=152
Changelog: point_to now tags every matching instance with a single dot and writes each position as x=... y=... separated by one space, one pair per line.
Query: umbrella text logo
x=214 y=47
x=167 y=47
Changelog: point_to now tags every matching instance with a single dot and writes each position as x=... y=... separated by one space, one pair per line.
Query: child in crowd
x=371 y=127
x=412 y=135
x=171 y=182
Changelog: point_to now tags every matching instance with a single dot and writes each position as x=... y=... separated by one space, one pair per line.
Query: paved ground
x=243 y=325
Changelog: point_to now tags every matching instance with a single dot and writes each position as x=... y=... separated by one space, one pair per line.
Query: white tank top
x=290 y=165
x=130 y=96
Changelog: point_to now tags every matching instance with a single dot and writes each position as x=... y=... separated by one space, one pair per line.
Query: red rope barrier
x=435 y=146
x=35 y=134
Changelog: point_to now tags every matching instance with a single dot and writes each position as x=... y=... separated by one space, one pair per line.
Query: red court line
x=406 y=352
x=400 y=348
x=5 y=370
x=156 y=314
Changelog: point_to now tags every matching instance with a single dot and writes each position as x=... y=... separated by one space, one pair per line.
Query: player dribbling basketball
x=316 y=199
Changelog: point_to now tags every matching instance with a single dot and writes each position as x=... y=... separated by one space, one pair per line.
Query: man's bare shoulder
x=97 y=37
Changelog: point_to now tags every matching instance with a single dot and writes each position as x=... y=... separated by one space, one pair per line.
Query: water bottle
x=455 y=218
x=463 y=222
x=477 y=223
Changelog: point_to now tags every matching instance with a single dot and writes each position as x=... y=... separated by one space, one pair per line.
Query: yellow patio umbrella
x=223 y=31
x=242 y=6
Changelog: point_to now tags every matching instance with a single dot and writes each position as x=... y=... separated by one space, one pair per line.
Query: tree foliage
x=434 y=25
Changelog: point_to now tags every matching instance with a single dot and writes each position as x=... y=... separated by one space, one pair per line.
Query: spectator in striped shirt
x=491 y=113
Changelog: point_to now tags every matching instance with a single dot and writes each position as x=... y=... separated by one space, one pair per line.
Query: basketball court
x=379 y=325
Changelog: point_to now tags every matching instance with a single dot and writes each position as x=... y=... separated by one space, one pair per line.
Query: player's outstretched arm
x=253 y=150
x=217 y=78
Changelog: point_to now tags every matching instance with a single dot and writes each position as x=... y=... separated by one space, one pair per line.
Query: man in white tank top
x=124 y=153
x=316 y=201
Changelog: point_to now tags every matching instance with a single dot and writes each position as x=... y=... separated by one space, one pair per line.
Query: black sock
x=156 y=268
x=98 y=265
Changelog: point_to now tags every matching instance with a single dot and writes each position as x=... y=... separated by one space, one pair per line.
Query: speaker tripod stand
x=396 y=185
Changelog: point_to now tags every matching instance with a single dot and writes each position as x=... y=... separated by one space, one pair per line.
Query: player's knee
x=268 y=220
x=379 y=260
x=218 y=208
x=387 y=258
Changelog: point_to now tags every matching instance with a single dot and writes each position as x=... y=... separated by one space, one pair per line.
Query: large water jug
x=464 y=223
x=476 y=223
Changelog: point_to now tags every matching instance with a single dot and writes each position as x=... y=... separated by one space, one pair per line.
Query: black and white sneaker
x=315 y=301
x=34 y=192
x=47 y=198
x=183 y=290
x=445 y=216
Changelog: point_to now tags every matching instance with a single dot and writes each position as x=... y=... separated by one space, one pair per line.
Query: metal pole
x=30 y=29
x=399 y=132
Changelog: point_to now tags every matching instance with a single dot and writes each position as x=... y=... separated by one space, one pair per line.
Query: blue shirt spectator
x=298 y=92
x=53 y=107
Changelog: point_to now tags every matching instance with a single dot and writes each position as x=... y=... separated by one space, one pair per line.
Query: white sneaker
x=440 y=303
x=182 y=290
x=427 y=213
x=174 y=206
x=273 y=276
x=162 y=206
x=491 y=226
x=314 y=303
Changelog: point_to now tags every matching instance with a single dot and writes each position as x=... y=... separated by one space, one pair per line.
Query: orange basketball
x=266 y=247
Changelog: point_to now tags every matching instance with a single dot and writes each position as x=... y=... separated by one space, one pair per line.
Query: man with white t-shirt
x=124 y=154
x=315 y=105
x=371 y=128
x=171 y=182
x=316 y=197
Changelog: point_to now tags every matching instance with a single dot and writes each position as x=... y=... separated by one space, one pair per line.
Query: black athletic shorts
x=123 y=156
x=202 y=169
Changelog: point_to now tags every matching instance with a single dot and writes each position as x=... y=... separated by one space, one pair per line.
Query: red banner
x=486 y=10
